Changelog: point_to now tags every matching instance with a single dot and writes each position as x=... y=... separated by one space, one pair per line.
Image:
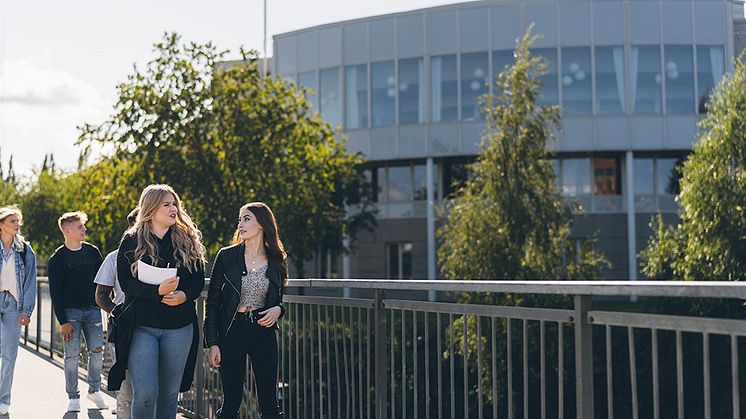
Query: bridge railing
x=489 y=349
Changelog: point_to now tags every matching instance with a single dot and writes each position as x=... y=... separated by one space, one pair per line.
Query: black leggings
x=246 y=337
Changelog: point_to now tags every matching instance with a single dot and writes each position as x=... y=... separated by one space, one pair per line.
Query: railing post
x=200 y=367
x=380 y=348
x=38 y=315
x=583 y=358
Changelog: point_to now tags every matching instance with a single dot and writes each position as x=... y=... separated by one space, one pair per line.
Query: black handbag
x=117 y=319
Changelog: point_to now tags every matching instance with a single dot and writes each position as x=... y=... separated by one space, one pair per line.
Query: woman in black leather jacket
x=244 y=303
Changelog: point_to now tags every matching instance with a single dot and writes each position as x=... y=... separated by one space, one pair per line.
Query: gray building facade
x=631 y=77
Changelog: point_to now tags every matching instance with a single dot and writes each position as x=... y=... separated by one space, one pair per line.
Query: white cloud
x=40 y=108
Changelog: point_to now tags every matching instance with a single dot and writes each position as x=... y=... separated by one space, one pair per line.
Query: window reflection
x=308 y=80
x=610 y=86
x=399 y=184
x=576 y=81
x=443 y=89
x=329 y=97
x=500 y=60
x=679 y=71
x=474 y=83
x=411 y=99
x=420 y=183
x=645 y=76
x=549 y=94
x=356 y=97
x=576 y=177
x=710 y=68
x=606 y=177
x=383 y=93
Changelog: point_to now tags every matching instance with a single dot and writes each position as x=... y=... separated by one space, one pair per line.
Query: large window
x=710 y=68
x=443 y=89
x=383 y=93
x=594 y=184
x=399 y=260
x=645 y=76
x=308 y=80
x=576 y=177
x=679 y=70
x=330 y=103
x=411 y=97
x=656 y=184
x=400 y=184
x=576 y=81
x=549 y=94
x=356 y=97
x=500 y=60
x=455 y=174
x=610 y=86
x=474 y=83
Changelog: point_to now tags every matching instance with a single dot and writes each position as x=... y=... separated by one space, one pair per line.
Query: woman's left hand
x=178 y=297
x=270 y=316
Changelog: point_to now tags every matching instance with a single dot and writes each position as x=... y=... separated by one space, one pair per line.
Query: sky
x=60 y=61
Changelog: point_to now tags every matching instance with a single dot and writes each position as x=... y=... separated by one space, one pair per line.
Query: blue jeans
x=10 y=333
x=156 y=365
x=88 y=321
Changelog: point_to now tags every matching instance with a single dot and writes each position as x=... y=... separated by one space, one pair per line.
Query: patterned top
x=254 y=287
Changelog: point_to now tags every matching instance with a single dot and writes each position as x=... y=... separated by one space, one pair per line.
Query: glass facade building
x=631 y=77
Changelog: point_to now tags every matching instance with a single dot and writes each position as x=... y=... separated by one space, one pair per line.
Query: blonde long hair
x=186 y=237
x=6 y=212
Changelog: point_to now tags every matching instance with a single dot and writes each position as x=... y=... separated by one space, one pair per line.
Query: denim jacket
x=25 y=276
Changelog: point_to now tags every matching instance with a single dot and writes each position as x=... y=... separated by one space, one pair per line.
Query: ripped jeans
x=88 y=321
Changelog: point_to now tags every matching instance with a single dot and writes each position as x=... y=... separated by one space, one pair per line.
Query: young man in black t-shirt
x=72 y=269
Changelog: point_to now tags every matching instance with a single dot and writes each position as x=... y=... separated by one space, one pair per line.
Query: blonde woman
x=17 y=295
x=159 y=341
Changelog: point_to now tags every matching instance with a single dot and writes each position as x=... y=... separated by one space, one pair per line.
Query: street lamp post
x=264 y=63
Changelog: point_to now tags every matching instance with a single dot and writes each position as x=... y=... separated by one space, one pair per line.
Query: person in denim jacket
x=17 y=295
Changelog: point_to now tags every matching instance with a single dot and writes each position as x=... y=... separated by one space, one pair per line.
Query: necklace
x=253 y=259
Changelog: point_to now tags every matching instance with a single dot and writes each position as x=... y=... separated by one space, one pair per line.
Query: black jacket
x=224 y=293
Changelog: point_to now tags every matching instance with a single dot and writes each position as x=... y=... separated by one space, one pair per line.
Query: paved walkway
x=39 y=392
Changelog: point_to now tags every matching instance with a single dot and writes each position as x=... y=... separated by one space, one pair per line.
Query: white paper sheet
x=150 y=274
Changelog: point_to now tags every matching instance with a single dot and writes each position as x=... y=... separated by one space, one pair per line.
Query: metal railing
x=569 y=349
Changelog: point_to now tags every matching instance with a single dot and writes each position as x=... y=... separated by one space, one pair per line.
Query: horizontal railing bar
x=686 y=289
x=527 y=313
x=666 y=322
x=682 y=289
x=332 y=301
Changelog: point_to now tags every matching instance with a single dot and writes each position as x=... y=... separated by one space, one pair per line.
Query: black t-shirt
x=71 y=275
x=149 y=309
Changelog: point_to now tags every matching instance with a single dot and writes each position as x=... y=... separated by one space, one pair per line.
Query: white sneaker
x=74 y=405
x=98 y=399
x=4 y=408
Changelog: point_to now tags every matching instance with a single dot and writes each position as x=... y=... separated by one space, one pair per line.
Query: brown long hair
x=187 y=239
x=276 y=254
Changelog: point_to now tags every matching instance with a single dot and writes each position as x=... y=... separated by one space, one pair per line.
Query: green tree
x=224 y=135
x=509 y=220
x=708 y=242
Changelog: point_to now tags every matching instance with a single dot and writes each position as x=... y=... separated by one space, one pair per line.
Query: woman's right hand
x=214 y=356
x=168 y=285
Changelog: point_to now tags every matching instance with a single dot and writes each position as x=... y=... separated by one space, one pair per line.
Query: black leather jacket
x=224 y=293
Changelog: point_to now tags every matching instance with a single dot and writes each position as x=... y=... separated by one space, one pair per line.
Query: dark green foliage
x=708 y=242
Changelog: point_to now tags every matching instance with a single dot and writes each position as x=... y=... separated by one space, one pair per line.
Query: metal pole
x=631 y=221
x=200 y=370
x=264 y=64
x=430 y=176
x=380 y=348
x=583 y=358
